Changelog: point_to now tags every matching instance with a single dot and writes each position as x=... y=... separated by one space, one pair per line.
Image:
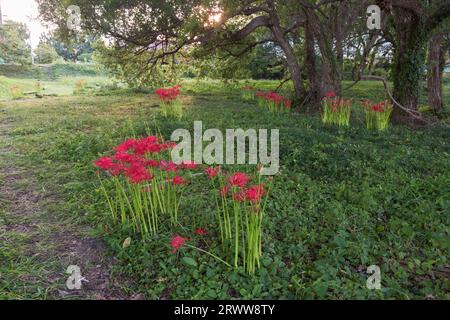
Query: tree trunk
x=434 y=77
x=409 y=59
x=314 y=92
x=292 y=62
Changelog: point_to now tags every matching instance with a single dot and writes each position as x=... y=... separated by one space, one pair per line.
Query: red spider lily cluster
x=377 y=115
x=273 y=101
x=248 y=92
x=145 y=182
x=170 y=104
x=144 y=188
x=170 y=94
x=336 y=110
x=240 y=207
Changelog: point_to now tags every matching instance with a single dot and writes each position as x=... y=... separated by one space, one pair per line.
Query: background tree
x=13 y=43
x=45 y=53
x=410 y=27
x=438 y=48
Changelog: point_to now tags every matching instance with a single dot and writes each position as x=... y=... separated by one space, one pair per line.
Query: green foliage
x=345 y=198
x=133 y=69
x=13 y=43
x=45 y=54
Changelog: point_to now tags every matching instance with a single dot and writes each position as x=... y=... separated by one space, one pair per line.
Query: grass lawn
x=344 y=199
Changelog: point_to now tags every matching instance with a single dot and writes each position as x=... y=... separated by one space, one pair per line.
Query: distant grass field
x=345 y=198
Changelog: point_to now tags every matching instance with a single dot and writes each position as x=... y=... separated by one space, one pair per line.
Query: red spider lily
x=330 y=94
x=248 y=88
x=168 y=166
x=212 y=172
x=104 y=163
x=177 y=180
x=288 y=103
x=176 y=243
x=137 y=173
x=274 y=97
x=126 y=145
x=224 y=191
x=239 y=179
x=239 y=196
x=201 y=231
x=152 y=163
x=255 y=193
x=261 y=94
x=189 y=165
x=125 y=157
x=170 y=94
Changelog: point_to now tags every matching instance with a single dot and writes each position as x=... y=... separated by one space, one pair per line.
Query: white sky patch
x=25 y=11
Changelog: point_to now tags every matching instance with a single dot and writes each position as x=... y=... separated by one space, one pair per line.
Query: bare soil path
x=37 y=245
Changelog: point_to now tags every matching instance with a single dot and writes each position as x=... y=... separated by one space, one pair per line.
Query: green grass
x=343 y=200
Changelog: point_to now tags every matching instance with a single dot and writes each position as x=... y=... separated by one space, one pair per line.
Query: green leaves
x=189 y=262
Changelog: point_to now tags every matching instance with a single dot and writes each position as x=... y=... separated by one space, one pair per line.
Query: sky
x=25 y=11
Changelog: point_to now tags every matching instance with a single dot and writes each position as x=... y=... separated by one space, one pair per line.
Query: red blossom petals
x=255 y=193
x=176 y=243
x=239 y=179
x=177 y=180
x=170 y=94
x=201 y=231
x=104 y=163
x=212 y=172
x=189 y=165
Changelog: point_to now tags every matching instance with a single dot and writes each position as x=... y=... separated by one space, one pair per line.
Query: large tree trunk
x=434 y=77
x=409 y=58
x=292 y=61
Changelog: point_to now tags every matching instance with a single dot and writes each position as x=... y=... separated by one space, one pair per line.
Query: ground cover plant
x=345 y=198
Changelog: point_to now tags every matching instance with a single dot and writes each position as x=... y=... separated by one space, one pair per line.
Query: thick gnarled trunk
x=409 y=57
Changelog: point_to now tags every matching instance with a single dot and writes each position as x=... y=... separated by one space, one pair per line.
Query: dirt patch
x=51 y=240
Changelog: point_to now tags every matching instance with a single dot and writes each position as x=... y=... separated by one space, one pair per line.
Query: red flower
x=224 y=191
x=248 y=88
x=177 y=180
x=167 y=95
x=168 y=166
x=152 y=163
x=189 y=165
x=104 y=163
x=137 y=173
x=239 y=196
x=274 y=97
x=288 y=103
x=255 y=193
x=176 y=243
x=125 y=157
x=211 y=172
x=376 y=108
x=126 y=145
x=330 y=94
x=201 y=231
x=239 y=179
